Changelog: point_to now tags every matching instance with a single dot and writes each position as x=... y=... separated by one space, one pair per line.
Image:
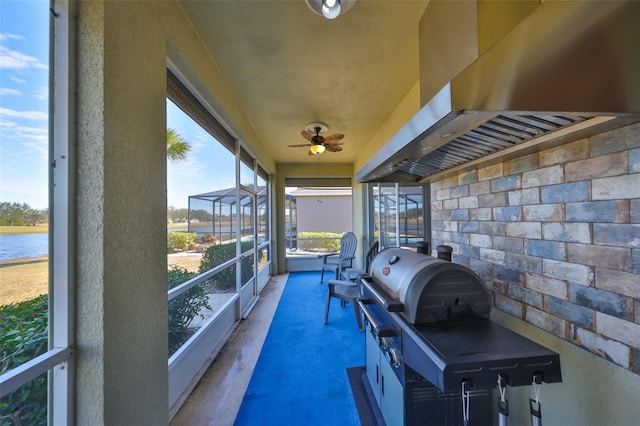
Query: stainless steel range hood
x=569 y=70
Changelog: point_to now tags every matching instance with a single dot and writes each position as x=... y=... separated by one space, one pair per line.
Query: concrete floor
x=217 y=397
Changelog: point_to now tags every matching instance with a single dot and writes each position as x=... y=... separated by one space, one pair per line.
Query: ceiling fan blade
x=336 y=137
x=331 y=143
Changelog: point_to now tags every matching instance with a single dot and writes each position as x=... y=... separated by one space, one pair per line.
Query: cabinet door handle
x=382 y=386
x=377 y=374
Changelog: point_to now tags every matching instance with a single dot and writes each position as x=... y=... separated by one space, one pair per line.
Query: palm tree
x=177 y=148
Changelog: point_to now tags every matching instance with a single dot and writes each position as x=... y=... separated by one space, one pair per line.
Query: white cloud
x=39 y=146
x=6 y=124
x=27 y=115
x=18 y=80
x=41 y=93
x=12 y=59
x=9 y=92
x=11 y=129
x=24 y=141
x=190 y=168
x=9 y=36
x=201 y=141
x=32 y=132
x=32 y=139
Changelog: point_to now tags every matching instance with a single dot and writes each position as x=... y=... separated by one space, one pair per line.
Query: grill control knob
x=392 y=357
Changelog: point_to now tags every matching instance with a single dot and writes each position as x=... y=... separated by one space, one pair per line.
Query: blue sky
x=24 y=35
x=209 y=166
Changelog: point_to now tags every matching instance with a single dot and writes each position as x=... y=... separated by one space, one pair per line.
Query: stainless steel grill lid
x=427 y=289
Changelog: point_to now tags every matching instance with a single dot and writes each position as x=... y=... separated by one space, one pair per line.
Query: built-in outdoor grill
x=433 y=356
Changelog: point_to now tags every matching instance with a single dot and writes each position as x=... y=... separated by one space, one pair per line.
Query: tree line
x=176 y=215
x=21 y=214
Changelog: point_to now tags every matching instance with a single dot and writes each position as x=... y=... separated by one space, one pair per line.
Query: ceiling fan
x=320 y=144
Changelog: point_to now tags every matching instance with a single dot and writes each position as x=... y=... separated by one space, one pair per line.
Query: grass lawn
x=38 y=229
x=24 y=279
x=177 y=225
x=190 y=262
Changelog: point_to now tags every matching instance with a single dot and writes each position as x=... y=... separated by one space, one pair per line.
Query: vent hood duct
x=569 y=70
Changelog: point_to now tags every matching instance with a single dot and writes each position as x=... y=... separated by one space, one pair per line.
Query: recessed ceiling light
x=330 y=9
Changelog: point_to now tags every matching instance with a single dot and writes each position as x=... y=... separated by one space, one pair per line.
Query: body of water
x=18 y=246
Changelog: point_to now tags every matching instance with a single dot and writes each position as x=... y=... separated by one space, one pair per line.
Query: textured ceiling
x=289 y=66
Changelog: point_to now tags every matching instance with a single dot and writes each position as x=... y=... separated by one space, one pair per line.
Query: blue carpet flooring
x=300 y=377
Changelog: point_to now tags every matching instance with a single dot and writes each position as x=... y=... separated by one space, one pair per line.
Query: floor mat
x=301 y=374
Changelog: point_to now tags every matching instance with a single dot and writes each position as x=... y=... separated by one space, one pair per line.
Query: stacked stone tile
x=556 y=236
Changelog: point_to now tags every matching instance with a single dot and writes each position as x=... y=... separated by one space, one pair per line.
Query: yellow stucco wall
x=123 y=52
x=409 y=107
x=593 y=391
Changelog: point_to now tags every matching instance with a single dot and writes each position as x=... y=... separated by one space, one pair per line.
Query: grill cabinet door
x=391 y=395
x=385 y=386
x=372 y=354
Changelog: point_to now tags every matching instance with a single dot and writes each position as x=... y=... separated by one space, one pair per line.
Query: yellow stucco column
x=121 y=308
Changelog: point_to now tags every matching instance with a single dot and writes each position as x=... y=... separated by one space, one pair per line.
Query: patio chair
x=338 y=262
x=348 y=290
x=353 y=274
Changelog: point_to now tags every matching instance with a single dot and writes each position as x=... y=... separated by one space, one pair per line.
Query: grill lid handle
x=377 y=329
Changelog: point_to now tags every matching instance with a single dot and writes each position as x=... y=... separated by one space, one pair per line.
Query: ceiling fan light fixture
x=331 y=8
x=319 y=144
x=317 y=149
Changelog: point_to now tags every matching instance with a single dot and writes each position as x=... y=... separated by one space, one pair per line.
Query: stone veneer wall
x=556 y=236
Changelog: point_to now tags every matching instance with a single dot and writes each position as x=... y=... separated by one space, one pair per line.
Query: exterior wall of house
x=556 y=236
x=303 y=170
x=324 y=214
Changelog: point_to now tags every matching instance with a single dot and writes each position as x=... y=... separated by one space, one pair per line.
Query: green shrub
x=330 y=243
x=224 y=281
x=24 y=336
x=207 y=238
x=184 y=308
x=180 y=240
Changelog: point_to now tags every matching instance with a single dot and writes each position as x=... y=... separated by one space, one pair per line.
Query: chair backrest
x=373 y=250
x=348 y=244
